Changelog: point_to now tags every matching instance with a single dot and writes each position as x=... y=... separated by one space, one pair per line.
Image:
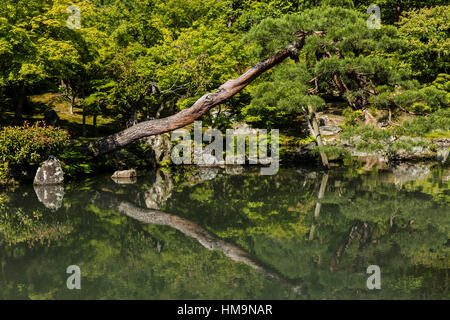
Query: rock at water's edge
x=124 y=174
x=49 y=173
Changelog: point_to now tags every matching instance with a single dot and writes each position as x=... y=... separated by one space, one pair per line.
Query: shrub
x=421 y=126
x=352 y=118
x=22 y=148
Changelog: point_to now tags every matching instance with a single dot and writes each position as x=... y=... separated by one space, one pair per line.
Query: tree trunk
x=315 y=132
x=160 y=109
x=94 y=122
x=71 y=95
x=390 y=117
x=200 y=107
x=84 y=133
x=72 y=103
x=20 y=101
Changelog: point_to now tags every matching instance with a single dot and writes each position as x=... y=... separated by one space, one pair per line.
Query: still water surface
x=209 y=233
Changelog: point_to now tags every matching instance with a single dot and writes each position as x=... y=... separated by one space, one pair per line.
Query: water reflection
x=51 y=196
x=192 y=230
x=232 y=234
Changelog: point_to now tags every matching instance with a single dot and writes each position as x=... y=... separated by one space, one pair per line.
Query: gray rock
x=442 y=143
x=323 y=121
x=207 y=159
x=224 y=113
x=416 y=153
x=124 y=176
x=161 y=145
x=49 y=173
x=329 y=130
x=241 y=127
x=51 y=196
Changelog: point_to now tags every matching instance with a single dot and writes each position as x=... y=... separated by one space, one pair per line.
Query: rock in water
x=49 y=173
x=51 y=196
x=124 y=176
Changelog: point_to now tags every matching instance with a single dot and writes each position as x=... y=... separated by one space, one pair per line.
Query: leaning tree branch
x=201 y=106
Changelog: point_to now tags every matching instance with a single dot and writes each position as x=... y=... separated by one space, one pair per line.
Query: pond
x=231 y=233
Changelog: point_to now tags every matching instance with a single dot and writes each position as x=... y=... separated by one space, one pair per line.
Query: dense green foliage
x=24 y=148
x=131 y=61
x=427 y=32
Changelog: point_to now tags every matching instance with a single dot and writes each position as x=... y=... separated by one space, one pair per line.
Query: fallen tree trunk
x=200 y=107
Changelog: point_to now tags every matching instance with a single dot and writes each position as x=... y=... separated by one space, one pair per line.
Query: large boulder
x=49 y=173
x=161 y=146
x=51 y=118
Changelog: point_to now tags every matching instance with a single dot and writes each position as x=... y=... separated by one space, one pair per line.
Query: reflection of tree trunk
x=390 y=117
x=193 y=230
x=323 y=186
x=359 y=229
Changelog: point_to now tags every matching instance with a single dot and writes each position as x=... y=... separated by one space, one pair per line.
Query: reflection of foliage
x=364 y=220
x=355 y=229
x=18 y=225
